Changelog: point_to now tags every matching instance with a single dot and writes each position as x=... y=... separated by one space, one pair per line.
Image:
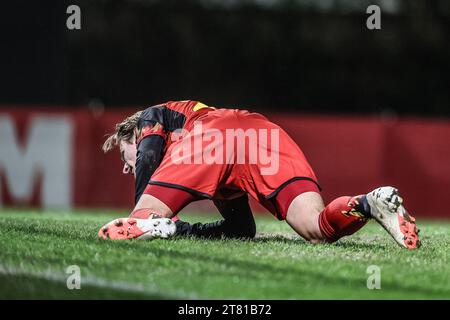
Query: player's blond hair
x=125 y=131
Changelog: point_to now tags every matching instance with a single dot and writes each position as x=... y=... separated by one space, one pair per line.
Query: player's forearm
x=149 y=156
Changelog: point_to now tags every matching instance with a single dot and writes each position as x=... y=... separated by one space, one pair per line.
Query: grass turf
x=36 y=247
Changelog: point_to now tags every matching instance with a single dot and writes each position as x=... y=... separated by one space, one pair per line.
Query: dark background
x=304 y=55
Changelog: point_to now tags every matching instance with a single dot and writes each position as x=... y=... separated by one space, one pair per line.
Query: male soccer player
x=142 y=157
x=183 y=151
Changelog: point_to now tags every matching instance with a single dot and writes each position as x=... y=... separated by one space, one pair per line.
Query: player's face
x=128 y=155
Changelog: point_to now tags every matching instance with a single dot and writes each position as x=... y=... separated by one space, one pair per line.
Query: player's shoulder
x=172 y=109
x=152 y=113
x=181 y=104
x=171 y=104
x=153 y=108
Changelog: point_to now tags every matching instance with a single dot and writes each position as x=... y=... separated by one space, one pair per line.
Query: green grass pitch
x=36 y=247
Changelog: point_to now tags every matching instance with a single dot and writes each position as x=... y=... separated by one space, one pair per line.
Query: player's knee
x=307 y=227
x=243 y=231
x=317 y=241
x=251 y=229
x=316 y=236
x=244 y=234
x=250 y=233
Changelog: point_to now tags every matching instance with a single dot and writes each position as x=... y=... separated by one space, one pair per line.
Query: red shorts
x=228 y=152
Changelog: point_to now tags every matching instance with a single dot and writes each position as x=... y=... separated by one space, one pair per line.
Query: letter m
x=47 y=150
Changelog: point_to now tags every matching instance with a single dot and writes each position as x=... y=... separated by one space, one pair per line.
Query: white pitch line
x=96 y=282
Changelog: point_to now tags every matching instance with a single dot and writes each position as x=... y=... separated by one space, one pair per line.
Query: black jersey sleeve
x=170 y=119
x=154 y=125
x=148 y=157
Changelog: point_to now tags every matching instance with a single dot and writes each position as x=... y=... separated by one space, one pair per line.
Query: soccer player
x=142 y=157
x=184 y=151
